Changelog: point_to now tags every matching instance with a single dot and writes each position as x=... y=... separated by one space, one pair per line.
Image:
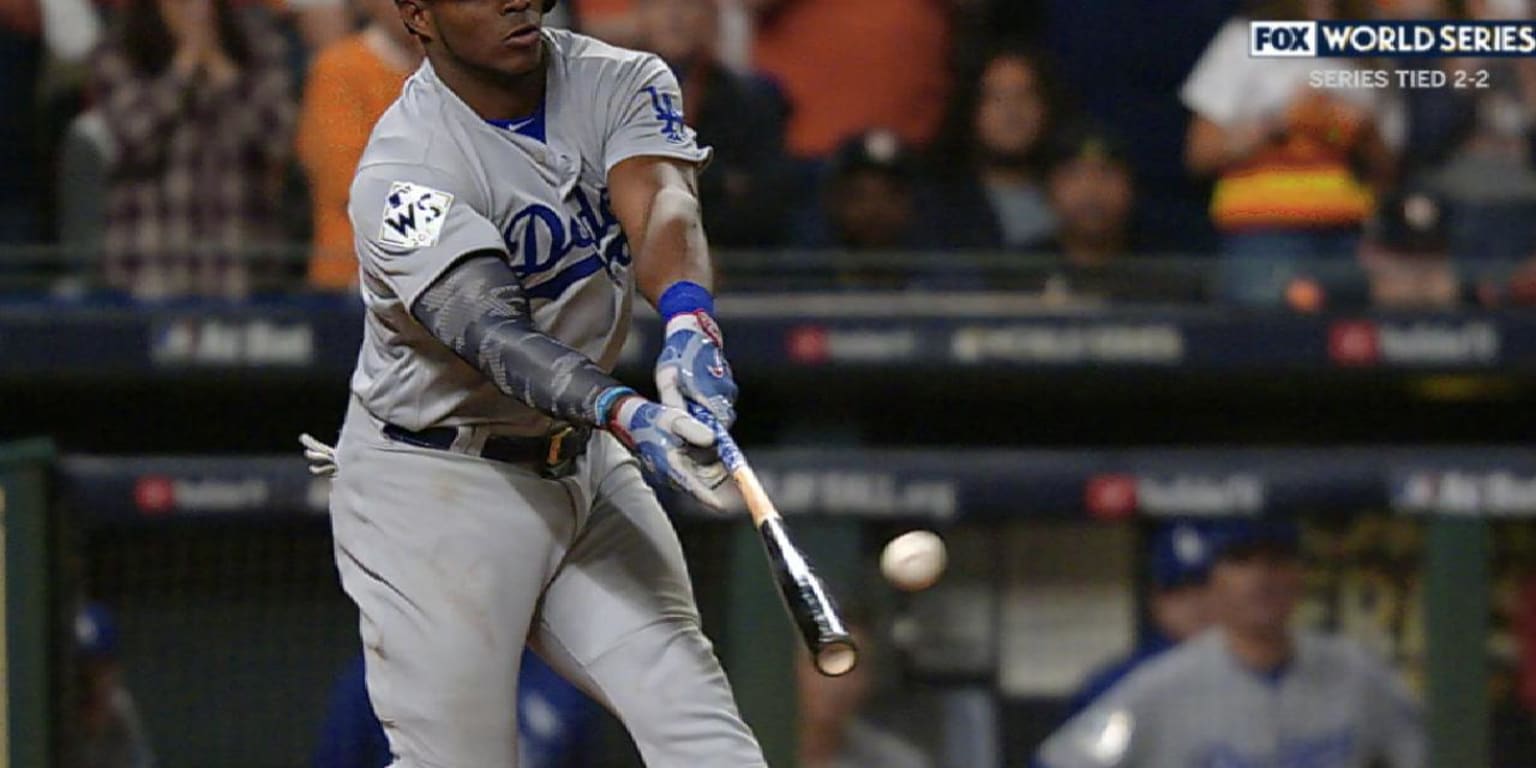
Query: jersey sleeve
x=411 y=223
x=646 y=117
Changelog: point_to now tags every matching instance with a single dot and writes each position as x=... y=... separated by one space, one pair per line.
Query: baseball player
x=1180 y=560
x=1249 y=693
x=490 y=488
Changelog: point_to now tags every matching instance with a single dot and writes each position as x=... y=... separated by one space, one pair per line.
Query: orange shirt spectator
x=350 y=85
x=851 y=65
x=22 y=16
x=613 y=21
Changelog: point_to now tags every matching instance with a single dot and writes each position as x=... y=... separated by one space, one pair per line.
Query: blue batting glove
x=672 y=447
x=692 y=367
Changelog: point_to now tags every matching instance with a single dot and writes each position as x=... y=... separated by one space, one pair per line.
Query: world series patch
x=414 y=215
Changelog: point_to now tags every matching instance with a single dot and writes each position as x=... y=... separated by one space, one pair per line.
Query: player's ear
x=416 y=18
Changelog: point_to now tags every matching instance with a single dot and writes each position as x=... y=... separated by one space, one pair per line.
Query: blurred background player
x=1178 y=606
x=833 y=733
x=107 y=731
x=1251 y=691
x=553 y=721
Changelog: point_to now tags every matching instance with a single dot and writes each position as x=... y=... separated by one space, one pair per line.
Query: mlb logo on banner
x=1276 y=39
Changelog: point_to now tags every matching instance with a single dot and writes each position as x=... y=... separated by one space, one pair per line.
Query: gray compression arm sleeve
x=478 y=308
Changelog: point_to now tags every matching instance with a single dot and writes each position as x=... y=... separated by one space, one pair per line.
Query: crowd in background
x=193 y=143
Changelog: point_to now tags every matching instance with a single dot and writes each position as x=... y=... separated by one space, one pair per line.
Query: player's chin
x=517 y=60
x=514 y=67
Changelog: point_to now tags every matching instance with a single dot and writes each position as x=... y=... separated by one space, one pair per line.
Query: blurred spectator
x=979 y=23
x=613 y=21
x=72 y=31
x=832 y=733
x=31 y=31
x=1178 y=606
x=350 y=85
x=553 y=720
x=1091 y=189
x=1251 y=691
x=1423 y=125
x=1487 y=175
x=853 y=65
x=1123 y=62
x=198 y=104
x=618 y=22
x=866 y=204
x=1405 y=254
x=1092 y=194
x=989 y=190
x=1284 y=155
x=20 y=63
x=107 y=732
x=320 y=22
x=85 y=155
x=743 y=193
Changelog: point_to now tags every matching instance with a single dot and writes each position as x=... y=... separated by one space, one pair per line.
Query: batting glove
x=692 y=367
x=321 y=457
x=672 y=447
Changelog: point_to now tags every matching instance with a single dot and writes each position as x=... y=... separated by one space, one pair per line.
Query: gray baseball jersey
x=437 y=182
x=1332 y=706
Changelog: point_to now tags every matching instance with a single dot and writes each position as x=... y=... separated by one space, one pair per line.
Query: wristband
x=683 y=297
x=605 y=403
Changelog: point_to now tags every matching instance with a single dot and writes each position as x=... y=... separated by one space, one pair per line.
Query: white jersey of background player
x=1332 y=706
x=1251 y=693
x=505 y=210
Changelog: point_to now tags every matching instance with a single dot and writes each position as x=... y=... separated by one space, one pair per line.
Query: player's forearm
x=673 y=248
x=479 y=310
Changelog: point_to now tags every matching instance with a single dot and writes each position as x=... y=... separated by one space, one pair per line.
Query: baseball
x=914 y=561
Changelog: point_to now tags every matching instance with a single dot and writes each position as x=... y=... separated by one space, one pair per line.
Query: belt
x=554 y=455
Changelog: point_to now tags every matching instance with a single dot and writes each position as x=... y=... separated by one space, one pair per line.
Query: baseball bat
x=806 y=598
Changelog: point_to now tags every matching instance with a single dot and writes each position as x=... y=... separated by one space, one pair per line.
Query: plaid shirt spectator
x=198 y=171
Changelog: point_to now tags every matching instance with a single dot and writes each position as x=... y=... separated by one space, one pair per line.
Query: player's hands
x=321 y=457
x=692 y=367
x=672 y=446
